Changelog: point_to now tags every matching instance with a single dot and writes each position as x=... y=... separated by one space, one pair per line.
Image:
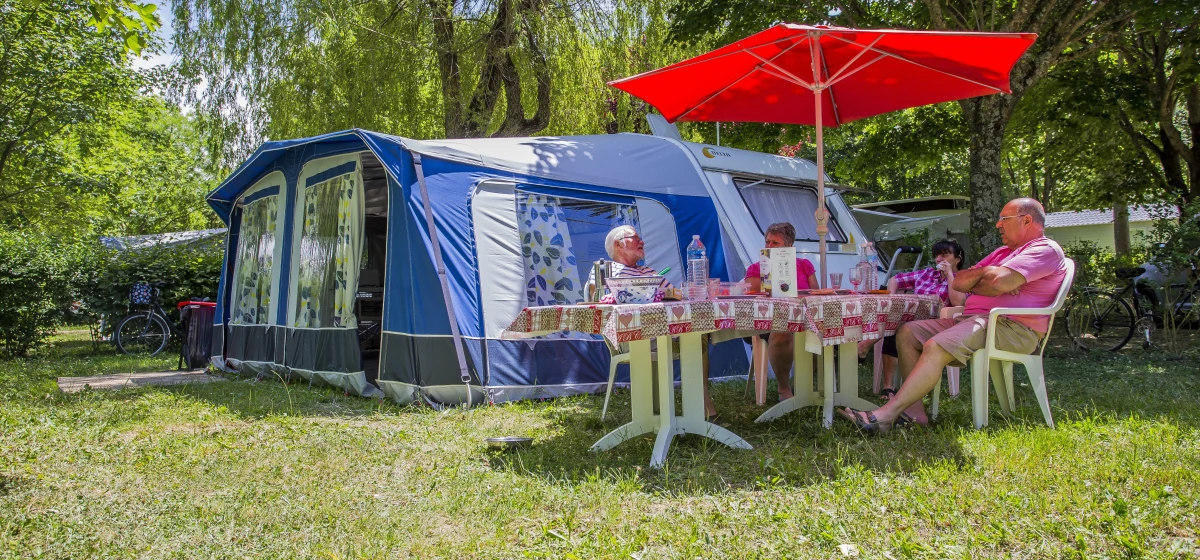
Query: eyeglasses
x=634 y=236
x=1002 y=218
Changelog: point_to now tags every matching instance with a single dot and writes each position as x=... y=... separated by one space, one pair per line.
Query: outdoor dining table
x=819 y=323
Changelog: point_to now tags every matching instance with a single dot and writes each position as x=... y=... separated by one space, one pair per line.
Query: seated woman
x=948 y=259
x=779 y=344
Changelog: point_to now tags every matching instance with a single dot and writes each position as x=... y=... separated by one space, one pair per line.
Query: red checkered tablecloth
x=836 y=319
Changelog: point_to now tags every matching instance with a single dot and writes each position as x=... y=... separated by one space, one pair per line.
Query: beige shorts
x=965 y=334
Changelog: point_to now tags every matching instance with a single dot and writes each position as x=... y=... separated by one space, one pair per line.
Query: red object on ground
x=183 y=304
x=770 y=76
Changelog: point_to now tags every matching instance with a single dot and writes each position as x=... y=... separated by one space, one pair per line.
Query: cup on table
x=737 y=288
x=714 y=288
x=835 y=280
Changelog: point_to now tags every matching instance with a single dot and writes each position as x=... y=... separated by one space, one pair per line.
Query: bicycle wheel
x=1100 y=321
x=142 y=335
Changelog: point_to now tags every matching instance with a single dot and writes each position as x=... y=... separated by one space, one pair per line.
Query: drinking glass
x=855 y=277
x=835 y=280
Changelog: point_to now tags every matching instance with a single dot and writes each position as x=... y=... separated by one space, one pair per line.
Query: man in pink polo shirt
x=1026 y=272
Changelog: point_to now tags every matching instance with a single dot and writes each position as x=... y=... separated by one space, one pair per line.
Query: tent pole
x=464 y=373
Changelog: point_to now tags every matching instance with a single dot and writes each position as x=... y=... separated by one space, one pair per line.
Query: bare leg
x=927 y=365
x=889 y=371
x=866 y=346
x=779 y=352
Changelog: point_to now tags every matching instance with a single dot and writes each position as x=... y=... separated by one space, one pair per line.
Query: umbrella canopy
x=826 y=76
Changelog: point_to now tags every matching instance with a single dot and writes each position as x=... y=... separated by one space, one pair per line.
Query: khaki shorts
x=963 y=335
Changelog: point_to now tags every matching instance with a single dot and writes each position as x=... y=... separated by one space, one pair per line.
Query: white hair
x=610 y=241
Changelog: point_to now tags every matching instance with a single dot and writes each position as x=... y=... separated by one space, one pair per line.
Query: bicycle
x=1103 y=320
x=145 y=332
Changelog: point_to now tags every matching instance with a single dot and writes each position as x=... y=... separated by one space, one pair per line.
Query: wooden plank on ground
x=133 y=380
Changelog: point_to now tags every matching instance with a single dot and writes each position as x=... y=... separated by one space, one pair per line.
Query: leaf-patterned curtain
x=551 y=273
x=330 y=250
x=349 y=249
x=255 y=256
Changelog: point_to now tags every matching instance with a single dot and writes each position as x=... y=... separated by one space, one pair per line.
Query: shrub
x=42 y=278
x=35 y=290
x=183 y=272
x=1097 y=266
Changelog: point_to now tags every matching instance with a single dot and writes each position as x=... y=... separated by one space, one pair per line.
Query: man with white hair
x=626 y=248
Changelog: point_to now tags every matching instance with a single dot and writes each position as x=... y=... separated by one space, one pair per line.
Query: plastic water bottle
x=697 y=269
x=871 y=276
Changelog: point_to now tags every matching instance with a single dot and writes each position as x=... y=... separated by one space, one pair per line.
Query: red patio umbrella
x=826 y=76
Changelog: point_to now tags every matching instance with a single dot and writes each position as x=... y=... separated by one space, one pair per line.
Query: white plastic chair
x=998 y=364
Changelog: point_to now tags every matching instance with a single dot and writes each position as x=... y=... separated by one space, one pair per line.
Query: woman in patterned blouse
x=935 y=280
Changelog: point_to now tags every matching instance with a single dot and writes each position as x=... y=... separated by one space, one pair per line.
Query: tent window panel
x=331 y=248
x=254 y=264
x=770 y=204
x=561 y=238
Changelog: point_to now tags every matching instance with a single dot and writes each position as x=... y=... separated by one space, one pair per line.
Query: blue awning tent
x=332 y=269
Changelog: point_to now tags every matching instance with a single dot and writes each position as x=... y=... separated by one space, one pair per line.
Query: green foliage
x=42 y=278
x=1097 y=266
x=189 y=271
x=58 y=72
x=35 y=290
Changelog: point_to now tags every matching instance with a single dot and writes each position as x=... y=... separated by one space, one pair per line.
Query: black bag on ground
x=197 y=319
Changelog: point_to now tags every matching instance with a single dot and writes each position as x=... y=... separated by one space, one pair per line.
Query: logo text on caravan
x=713 y=152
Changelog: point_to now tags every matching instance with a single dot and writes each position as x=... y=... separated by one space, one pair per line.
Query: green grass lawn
x=244 y=469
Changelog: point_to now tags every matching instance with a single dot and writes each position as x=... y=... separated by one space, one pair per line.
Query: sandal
x=865 y=421
x=886 y=394
x=904 y=421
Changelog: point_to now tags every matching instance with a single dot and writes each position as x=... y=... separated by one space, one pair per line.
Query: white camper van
x=753 y=190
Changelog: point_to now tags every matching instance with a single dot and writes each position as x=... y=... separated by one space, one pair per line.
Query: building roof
x=1145 y=213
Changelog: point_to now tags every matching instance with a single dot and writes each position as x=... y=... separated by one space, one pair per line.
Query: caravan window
x=560 y=239
x=770 y=203
x=330 y=249
x=252 y=277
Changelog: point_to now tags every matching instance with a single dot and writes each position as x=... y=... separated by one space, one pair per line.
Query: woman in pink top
x=779 y=344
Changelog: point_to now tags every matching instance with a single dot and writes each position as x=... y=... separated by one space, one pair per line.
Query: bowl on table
x=635 y=289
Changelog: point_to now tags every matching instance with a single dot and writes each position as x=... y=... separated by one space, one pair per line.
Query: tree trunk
x=1120 y=212
x=987 y=117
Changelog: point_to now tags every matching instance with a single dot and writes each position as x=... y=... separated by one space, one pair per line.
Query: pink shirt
x=1042 y=264
x=803 y=270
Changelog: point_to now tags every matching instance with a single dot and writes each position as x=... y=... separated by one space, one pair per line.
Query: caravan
x=384 y=265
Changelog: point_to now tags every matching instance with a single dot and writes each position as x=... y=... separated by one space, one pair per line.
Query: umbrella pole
x=822 y=214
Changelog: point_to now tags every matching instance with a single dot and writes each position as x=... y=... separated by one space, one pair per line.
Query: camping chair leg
x=953 y=379
x=612 y=376
x=1008 y=384
x=979 y=389
x=1037 y=379
x=759 y=370
x=934 y=400
x=996 y=370
x=877 y=380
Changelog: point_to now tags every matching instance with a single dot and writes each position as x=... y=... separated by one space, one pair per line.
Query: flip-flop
x=886 y=394
x=868 y=425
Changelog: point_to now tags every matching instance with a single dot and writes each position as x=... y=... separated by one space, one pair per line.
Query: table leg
x=847 y=381
x=668 y=423
x=691 y=365
x=802 y=386
x=641 y=397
